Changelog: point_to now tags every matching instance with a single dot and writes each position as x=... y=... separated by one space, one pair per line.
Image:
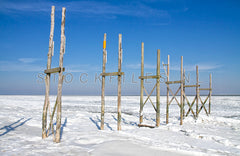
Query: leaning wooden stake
x=142 y=85
x=197 y=90
x=181 y=108
x=158 y=90
x=119 y=80
x=60 y=77
x=167 y=109
x=103 y=81
x=47 y=80
x=210 y=93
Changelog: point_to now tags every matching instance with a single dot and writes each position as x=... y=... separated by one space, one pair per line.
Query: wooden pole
x=46 y=101
x=210 y=93
x=119 y=80
x=184 y=79
x=197 y=90
x=60 y=77
x=103 y=82
x=181 y=98
x=167 y=109
x=142 y=85
x=158 y=89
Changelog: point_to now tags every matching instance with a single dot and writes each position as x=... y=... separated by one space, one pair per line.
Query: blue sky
x=205 y=33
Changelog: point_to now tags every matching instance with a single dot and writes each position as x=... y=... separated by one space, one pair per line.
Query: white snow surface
x=21 y=126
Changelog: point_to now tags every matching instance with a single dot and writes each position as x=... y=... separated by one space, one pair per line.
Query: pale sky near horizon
x=205 y=33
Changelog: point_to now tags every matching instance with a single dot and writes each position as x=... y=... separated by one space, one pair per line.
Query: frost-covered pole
x=119 y=80
x=197 y=90
x=47 y=79
x=210 y=93
x=60 y=77
x=181 y=98
x=142 y=85
x=167 y=109
x=103 y=82
x=158 y=90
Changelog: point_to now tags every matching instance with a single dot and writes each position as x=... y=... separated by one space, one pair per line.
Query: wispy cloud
x=28 y=60
x=81 y=68
x=19 y=66
x=138 y=66
x=188 y=67
x=89 y=8
x=201 y=66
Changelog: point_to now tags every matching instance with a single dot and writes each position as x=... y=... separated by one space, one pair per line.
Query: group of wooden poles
x=182 y=87
x=200 y=104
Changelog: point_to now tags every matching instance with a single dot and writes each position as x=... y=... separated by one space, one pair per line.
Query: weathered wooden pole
x=181 y=98
x=47 y=79
x=210 y=93
x=197 y=90
x=119 y=80
x=103 y=81
x=167 y=109
x=142 y=85
x=60 y=77
x=158 y=90
x=184 y=81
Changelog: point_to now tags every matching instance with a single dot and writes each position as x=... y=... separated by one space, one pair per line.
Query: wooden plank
x=103 y=82
x=191 y=86
x=190 y=105
x=173 y=82
x=150 y=77
x=158 y=90
x=205 y=88
x=142 y=85
x=167 y=109
x=119 y=80
x=112 y=74
x=142 y=125
x=53 y=70
x=46 y=101
x=60 y=78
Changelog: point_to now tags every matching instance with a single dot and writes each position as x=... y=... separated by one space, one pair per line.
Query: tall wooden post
x=210 y=93
x=142 y=81
x=181 y=98
x=197 y=90
x=158 y=89
x=119 y=80
x=167 y=109
x=47 y=79
x=184 y=81
x=103 y=81
x=60 y=77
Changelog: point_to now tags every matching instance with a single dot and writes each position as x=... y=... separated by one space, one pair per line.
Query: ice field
x=21 y=125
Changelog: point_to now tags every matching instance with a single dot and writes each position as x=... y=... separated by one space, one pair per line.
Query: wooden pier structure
x=48 y=72
x=104 y=74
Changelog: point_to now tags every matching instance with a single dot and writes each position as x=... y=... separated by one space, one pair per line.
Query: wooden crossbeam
x=112 y=74
x=203 y=104
x=54 y=70
x=191 y=86
x=205 y=88
x=142 y=125
x=190 y=105
x=174 y=96
x=150 y=77
x=173 y=82
x=149 y=96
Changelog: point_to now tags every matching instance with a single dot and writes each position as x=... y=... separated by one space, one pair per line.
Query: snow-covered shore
x=20 y=128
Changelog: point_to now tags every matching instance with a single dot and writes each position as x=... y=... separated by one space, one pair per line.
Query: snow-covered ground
x=20 y=128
